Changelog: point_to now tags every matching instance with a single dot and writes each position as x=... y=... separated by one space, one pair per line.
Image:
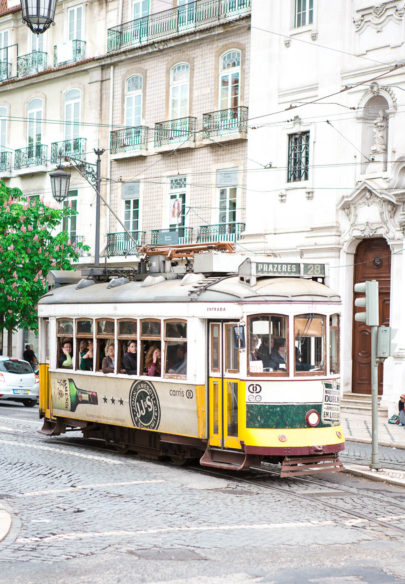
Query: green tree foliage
x=31 y=244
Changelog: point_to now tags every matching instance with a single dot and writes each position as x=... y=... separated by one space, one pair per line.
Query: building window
x=70 y=223
x=229 y=82
x=72 y=114
x=75 y=23
x=3 y=128
x=130 y=194
x=177 y=199
x=298 y=157
x=34 y=115
x=140 y=8
x=179 y=91
x=304 y=13
x=227 y=180
x=133 y=101
x=37 y=42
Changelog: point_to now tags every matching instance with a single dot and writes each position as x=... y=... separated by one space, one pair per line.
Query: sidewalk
x=357 y=428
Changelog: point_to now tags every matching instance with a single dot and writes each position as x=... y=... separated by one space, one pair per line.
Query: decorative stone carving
x=309 y=195
x=376 y=89
x=377 y=15
x=369 y=211
x=287 y=41
x=380 y=134
x=282 y=196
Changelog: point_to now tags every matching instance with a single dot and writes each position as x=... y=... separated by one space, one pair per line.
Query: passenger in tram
x=107 y=365
x=86 y=355
x=152 y=361
x=264 y=351
x=129 y=360
x=277 y=356
x=180 y=366
x=254 y=348
x=65 y=359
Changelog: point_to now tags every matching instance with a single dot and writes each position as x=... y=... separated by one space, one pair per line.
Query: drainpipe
x=110 y=122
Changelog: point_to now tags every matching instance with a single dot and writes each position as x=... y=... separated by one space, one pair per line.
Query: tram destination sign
x=289 y=269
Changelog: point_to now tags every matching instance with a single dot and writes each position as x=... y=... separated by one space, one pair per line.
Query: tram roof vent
x=115 y=282
x=84 y=283
x=153 y=280
x=190 y=279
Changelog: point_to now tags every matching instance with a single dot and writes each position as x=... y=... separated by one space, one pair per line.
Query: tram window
x=334 y=334
x=127 y=343
x=215 y=344
x=84 y=344
x=150 y=347
x=176 y=347
x=105 y=331
x=64 y=332
x=232 y=409
x=231 y=350
x=215 y=388
x=268 y=344
x=309 y=335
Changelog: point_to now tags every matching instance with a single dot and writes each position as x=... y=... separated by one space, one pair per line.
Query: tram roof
x=193 y=288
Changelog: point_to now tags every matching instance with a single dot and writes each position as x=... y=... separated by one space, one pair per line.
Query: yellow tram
x=232 y=365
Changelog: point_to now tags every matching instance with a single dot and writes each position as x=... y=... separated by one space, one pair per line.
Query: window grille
x=298 y=157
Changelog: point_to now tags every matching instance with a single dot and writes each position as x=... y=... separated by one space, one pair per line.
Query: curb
x=5 y=523
x=366 y=441
x=392 y=477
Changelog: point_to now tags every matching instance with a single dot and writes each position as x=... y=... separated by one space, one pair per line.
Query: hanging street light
x=38 y=14
x=59 y=184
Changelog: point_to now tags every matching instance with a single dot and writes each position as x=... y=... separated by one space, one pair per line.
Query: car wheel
x=29 y=403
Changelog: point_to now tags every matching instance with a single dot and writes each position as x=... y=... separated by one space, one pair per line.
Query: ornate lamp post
x=38 y=14
x=60 y=187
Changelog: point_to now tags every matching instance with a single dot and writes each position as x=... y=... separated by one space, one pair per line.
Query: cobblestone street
x=81 y=511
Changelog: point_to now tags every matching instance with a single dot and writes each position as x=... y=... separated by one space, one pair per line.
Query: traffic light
x=369 y=302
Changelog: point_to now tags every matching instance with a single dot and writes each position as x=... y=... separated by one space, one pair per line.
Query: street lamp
x=38 y=14
x=60 y=187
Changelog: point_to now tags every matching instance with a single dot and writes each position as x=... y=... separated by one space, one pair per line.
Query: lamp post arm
x=89 y=172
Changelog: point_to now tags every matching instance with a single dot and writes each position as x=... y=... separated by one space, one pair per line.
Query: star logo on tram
x=113 y=400
x=105 y=400
x=121 y=401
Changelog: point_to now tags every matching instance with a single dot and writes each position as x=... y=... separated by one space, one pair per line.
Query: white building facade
x=326 y=158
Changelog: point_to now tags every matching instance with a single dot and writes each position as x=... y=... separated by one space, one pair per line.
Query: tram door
x=224 y=386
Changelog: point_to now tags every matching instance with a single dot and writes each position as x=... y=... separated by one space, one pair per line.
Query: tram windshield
x=268 y=342
x=309 y=343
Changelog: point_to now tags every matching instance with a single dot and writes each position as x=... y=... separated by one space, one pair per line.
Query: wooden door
x=372 y=261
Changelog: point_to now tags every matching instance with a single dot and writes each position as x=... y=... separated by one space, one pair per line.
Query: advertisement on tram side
x=141 y=403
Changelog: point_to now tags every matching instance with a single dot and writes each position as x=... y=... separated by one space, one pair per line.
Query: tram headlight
x=312 y=418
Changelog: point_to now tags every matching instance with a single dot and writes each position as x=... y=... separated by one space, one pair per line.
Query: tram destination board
x=289 y=269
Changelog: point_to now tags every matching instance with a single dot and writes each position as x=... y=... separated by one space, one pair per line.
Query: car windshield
x=15 y=366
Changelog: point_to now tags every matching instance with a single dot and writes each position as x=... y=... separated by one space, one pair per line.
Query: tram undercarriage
x=182 y=450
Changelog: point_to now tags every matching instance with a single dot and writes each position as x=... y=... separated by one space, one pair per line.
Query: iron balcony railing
x=226 y=121
x=121 y=244
x=75 y=147
x=69 y=52
x=34 y=155
x=5 y=161
x=170 y=22
x=221 y=232
x=129 y=139
x=5 y=71
x=174 y=131
x=174 y=235
x=32 y=63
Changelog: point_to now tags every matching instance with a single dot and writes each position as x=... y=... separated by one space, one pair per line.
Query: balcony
x=173 y=236
x=119 y=244
x=31 y=63
x=5 y=161
x=69 y=52
x=34 y=155
x=225 y=122
x=75 y=147
x=192 y=16
x=175 y=131
x=129 y=140
x=221 y=232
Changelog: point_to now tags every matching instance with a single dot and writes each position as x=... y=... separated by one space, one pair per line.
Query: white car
x=18 y=382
